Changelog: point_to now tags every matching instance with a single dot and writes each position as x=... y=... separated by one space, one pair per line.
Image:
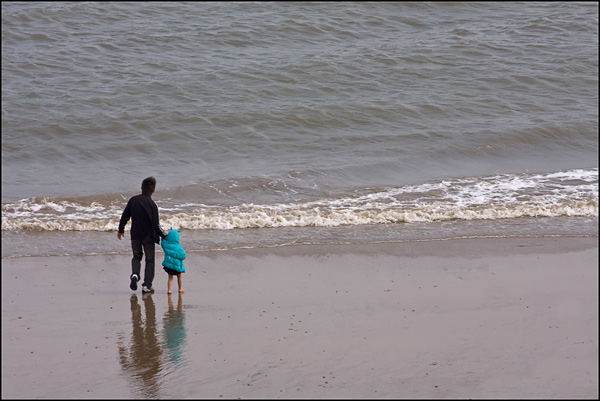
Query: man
x=145 y=232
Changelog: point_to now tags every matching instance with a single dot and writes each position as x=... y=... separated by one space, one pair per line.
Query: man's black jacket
x=144 y=219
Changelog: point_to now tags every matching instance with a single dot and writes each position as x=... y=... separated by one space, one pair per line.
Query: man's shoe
x=134 y=280
x=146 y=289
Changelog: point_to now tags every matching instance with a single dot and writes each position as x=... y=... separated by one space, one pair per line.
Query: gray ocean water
x=267 y=123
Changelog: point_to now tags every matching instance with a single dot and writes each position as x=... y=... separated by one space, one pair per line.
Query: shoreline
x=292 y=244
x=461 y=318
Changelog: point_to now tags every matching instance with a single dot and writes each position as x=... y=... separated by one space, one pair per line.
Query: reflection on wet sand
x=174 y=330
x=141 y=361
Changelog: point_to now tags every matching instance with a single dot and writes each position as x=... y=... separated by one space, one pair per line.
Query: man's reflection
x=175 y=335
x=142 y=360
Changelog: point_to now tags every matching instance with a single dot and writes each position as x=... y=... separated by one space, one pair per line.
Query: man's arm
x=124 y=219
x=156 y=223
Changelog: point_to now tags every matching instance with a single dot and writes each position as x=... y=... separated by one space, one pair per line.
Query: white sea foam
x=568 y=193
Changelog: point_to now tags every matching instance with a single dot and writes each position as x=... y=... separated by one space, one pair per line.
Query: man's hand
x=119 y=235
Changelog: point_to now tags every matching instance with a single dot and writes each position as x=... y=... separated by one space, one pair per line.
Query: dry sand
x=478 y=318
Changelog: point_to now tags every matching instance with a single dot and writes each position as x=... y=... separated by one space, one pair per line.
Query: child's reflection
x=142 y=361
x=175 y=335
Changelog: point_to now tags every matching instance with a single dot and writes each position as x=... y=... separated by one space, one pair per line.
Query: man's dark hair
x=148 y=185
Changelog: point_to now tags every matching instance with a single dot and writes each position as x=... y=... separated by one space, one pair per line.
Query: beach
x=463 y=318
x=377 y=199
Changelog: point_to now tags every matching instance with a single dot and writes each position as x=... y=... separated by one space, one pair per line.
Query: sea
x=274 y=123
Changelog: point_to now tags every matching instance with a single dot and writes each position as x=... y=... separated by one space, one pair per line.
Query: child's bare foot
x=181 y=291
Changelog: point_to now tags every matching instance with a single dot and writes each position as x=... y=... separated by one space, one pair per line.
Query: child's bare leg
x=170 y=284
x=180 y=282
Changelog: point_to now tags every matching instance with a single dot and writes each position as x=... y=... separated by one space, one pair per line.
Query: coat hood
x=173 y=237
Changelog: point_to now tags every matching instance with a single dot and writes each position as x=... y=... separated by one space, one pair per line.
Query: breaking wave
x=506 y=196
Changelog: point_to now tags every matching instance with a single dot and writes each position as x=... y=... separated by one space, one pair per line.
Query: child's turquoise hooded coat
x=174 y=253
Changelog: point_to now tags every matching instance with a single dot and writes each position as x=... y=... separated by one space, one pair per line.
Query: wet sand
x=478 y=318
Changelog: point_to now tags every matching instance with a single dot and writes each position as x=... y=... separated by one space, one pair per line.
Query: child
x=174 y=256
